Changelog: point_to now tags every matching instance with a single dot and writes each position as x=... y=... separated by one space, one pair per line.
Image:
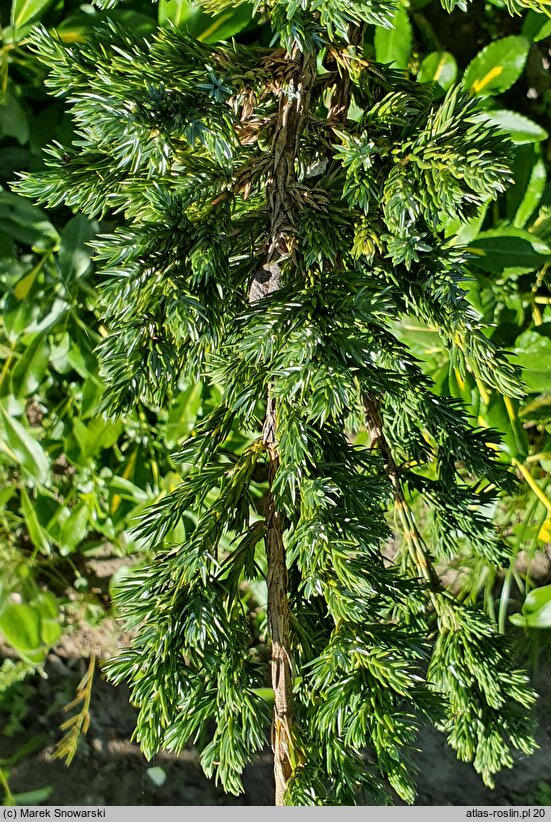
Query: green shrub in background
x=74 y=481
x=71 y=481
x=509 y=245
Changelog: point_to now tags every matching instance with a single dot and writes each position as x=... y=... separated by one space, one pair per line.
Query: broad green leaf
x=127 y=489
x=6 y=494
x=92 y=437
x=50 y=629
x=537 y=410
x=25 y=284
x=533 y=195
x=504 y=248
x=526 y=169
x=73 y=257
x=31 y=367
x=92 y=392
x=59 y=353
x=76 y=359
x=38 y=535
x=13 y=119
x=23 y=448
x=465 y=388
x=26 y=223
x=32 y=627
x=46 y=603
x=13 y=406
x=56 y=311
x=536 y=26
x=496 y=415
x=179 y=12
x=424 y=342
x=225 y=25
x=497 y=67
x=35 y=797
x=33 y=744
x=183 y=414
x=26 y=11
x=77 y=27
x=267 y=694
x=438 y=67
x=206 y=27
x=519 y=129
x=74 y=529
x=44 y=126
x=533 y=353
x=20 y=624
x=393 y=46
x=536 y=611
x=7 y=245
x=52 y=515
x=462 y=232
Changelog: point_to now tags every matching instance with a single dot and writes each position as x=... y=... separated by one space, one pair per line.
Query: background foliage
x=71 y=482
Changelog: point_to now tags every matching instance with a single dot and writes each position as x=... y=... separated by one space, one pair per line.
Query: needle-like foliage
x=282 y=211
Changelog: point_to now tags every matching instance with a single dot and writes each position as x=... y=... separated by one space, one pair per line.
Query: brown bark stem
x=278 y=622
x=281 y=202
x=341 y=97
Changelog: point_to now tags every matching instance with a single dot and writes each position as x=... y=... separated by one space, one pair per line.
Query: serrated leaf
x=497 y=67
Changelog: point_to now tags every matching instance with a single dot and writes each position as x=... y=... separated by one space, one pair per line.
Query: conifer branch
x=340 y=100
x=78 y=724
x=261 y=251
x=413 y=538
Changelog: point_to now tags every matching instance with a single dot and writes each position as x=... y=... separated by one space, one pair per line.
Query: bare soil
x=109 y=769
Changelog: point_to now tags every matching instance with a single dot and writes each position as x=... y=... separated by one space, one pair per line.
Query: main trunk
x=281 y=202
x=278 y=622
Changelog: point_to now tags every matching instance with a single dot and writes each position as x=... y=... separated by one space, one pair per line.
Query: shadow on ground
x=109 y=769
